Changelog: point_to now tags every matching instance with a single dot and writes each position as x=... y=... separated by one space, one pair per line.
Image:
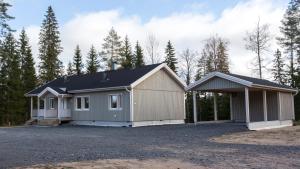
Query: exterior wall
x=256 y=109
x=272 y=106
x=157 y=98
x=219 y=83
x=287 y=110
x=99 y=108
x=52 y=113
x=238 y=107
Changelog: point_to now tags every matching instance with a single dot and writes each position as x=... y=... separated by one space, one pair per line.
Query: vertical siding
x=219 y=83
x=99 y=110
x=256 y=106
x=287 y=112
x=272 y=106
x=159 y=97
x=238 y=106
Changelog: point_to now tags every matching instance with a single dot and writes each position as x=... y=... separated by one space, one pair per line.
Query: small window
x=86 y=103
x=51 y=103
x=115 y=102
x=78 y=103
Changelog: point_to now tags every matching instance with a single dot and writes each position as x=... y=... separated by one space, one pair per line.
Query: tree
x=112 y=48
x=70 y=70
x=170 y=59
x=152 y=45
x=258 y=41
x=278 y=68
x=49 y=49
x=138 y=56
x=188 y=64
x=126 y=55
x=290 y=36
x=223 y=63
x=4 y=18
x=201 y=66
x=28 y=74
x=92 y=61
x=77 y=61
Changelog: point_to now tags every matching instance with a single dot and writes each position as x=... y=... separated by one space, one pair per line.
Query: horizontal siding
x=99 y=110
x=219 y=83
x=159 y=97
x=287 y=111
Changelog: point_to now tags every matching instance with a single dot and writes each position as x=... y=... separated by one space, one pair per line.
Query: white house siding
x=52 y=113
x=158 y=97
x=99 y=108
x=287 y=111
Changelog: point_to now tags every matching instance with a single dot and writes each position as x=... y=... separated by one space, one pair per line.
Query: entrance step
x=31 y=122
x=48 y=122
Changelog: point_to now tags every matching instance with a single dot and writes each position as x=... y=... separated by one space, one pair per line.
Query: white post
x=247 y=105
x=231 y=112
x=31 y=107
x=279 y=105
x=38 y=106
x=59 y=107
x=215 y=107
x=45 y=105
x=265 y=105
x=195 y=107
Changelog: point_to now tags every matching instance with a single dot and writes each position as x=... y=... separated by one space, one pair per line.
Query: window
x=82 y=103
x=51 y=103
x=115 y=102
x=41 y=104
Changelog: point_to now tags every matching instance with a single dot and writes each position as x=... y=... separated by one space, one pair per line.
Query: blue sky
x=187 y=23
x=28 y=12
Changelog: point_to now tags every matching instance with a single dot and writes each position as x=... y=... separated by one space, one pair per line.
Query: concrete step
x=31 y=122
x=48 y=122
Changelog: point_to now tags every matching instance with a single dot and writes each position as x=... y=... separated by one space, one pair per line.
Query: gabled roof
x=243 y=80
x=106 y=80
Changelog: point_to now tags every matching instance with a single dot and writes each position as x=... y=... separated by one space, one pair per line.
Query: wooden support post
x=59 y=107
x=265 y=105
x=31 y=107
x=215 y=107
x=195 y=107
x=231 y=112
x=38 y=106
x=247 y=105
x=279 y=105
x=45 y=105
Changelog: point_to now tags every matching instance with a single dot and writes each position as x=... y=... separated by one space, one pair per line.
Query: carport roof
x=243 y=80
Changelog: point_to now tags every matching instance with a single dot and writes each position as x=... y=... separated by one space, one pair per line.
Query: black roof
x=260 y=81
x=105 y=79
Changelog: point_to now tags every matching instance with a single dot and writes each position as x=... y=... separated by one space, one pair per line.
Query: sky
x=186 y=23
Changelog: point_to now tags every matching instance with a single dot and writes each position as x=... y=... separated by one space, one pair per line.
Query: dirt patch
x=120 y=164
x=287 y=136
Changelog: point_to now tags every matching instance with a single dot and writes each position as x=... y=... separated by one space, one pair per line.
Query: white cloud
x=184 y=29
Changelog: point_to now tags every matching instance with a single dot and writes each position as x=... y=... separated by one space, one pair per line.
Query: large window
x=115 y=102
x=51 y=103
x=82 y=103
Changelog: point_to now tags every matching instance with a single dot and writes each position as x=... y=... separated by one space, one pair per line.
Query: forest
x=20 y=73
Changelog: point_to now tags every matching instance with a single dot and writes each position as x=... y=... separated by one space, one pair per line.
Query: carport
x=258 y=103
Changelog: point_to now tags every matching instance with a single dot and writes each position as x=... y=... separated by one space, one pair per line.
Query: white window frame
x=51 y=100
x=82 y=103
x=119 y=101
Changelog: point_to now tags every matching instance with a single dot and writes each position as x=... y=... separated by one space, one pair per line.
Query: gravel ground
x=25 y=146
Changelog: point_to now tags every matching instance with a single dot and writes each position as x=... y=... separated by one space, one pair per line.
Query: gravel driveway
x=23 y=146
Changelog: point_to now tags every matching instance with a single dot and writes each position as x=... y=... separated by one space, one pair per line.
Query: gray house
x=149 y=95
x=258 y=103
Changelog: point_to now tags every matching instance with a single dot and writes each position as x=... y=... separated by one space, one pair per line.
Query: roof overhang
x=48 y=89
x=99 y=89
x=236 y=80
x=161 y=66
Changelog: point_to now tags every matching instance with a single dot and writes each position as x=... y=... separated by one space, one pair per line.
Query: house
x=148 y=95
x=259 y=103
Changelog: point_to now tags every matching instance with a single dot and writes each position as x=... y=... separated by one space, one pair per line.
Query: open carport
x=261 y=104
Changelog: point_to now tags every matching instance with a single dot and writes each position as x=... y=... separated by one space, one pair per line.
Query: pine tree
x=70 y=70
x=223 y=63
x=111 y=48
x=92 y=61
x=138 y=56
x=50 y=48
x=28 y=74
x=201 y=66
x=77 y=61
x=290 y=36
x=278 y=68
x=126 y=55
x=14 y=93
x=4 y=18
x=170 y=59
